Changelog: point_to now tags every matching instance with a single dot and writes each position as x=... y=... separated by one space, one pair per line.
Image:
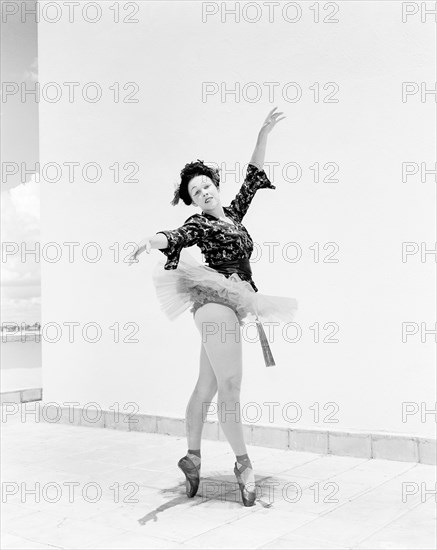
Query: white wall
x=369 y=293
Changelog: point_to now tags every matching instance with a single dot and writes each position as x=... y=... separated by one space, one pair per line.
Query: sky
x=20 y=274
x=20 y=202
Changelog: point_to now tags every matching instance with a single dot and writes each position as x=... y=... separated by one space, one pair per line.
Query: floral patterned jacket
x=219 y=241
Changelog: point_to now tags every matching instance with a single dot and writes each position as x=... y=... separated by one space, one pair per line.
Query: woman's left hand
x=272 y=119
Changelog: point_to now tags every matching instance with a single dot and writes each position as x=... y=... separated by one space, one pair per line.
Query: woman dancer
x=221 y=294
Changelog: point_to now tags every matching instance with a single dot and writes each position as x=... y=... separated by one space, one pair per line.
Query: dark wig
x=190 y=171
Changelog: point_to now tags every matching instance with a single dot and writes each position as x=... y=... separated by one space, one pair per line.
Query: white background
x=369 y=293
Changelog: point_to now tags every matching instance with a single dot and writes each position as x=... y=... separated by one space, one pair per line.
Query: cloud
x=31 y=74
x=20 y=224
x=20 y=211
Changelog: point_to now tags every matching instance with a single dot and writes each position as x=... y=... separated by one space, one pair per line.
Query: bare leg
x=221 y=338
x=197 y=408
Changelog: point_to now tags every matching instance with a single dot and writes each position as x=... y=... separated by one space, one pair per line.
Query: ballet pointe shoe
x=192 y=475
x=247 y=496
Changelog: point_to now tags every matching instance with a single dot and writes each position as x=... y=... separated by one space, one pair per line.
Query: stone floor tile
x=133 y=541
x=327 y=466
x=48 y=529
x=12 y=542
x=251 y=531
x=341 y=502
x=415 y=530
x=294 y=542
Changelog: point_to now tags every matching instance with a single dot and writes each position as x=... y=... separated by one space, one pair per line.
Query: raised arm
x=256 y=178
x=261 y=142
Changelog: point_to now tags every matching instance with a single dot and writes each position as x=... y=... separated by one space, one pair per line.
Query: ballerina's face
x=203 y=192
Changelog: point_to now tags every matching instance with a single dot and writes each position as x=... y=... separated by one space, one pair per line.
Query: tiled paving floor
x=306 y=501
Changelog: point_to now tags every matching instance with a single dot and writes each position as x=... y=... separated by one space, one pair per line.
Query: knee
x=230 y=385
x=206 y=391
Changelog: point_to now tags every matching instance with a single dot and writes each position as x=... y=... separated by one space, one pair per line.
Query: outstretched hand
x=144 y=246
x=271 y=120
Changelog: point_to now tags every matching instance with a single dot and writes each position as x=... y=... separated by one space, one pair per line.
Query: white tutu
x=192 y=284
